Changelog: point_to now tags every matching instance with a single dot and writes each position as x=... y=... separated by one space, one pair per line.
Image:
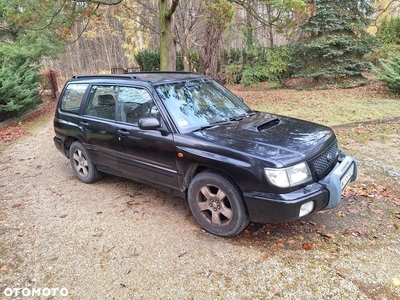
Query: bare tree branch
x=172 y=9
x=146 y=23
x=84 y=28
x=386 y=9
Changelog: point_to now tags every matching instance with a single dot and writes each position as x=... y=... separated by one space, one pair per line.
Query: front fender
x=241 y=171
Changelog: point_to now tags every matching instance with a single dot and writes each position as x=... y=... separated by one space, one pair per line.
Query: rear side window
x=72 y=97
x=101 y=102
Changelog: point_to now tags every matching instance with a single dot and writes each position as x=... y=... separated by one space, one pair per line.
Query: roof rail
x=115 y=76
x=162 y=72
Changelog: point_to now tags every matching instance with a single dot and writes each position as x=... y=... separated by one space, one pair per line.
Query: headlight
x=288 y=177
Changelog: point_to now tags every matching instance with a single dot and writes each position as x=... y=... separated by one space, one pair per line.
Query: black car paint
x=240 y=149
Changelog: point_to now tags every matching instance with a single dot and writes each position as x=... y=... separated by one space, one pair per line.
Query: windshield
x=197 y=104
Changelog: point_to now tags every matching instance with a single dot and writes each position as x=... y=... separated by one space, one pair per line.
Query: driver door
x=148 y=155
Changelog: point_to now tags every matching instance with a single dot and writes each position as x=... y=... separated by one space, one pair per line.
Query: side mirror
x=149 y=123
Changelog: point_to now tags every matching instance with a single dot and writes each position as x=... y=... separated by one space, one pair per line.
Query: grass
x=329 y=107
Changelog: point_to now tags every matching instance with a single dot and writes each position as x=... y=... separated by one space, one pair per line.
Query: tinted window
x=101 y=102
x=72 y=97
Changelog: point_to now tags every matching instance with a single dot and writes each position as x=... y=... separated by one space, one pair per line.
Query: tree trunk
x=167 y=38
x=186 y=58
x=209 y=63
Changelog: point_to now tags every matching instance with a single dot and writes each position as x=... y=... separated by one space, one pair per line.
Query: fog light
x=306 y=208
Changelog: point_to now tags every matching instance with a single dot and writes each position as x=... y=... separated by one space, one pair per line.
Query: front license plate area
x=344 y=181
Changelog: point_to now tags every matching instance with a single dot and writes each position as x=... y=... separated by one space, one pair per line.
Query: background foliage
x=235 y=41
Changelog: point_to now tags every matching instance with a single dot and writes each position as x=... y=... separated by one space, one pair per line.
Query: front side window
x=135 y=103
x=72 y=97
x=101 y=102
x=199 y=103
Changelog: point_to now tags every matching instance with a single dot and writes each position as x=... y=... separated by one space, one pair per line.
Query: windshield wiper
x=240 y=117
x=213 y=124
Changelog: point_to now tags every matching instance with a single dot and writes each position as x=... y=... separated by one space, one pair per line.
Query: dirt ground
x=118 y=239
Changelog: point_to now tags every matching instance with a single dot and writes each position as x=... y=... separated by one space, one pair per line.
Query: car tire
x=82 y=164
x=217 y=204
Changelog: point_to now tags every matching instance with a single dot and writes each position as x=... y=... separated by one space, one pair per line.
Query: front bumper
x=325 y=194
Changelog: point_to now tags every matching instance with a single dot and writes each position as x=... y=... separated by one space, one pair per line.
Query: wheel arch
x=194 y=170
x=67 y=144
x=224 y=214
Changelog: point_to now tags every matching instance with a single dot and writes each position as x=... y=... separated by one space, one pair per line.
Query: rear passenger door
x=148 y=155
x=99 y=124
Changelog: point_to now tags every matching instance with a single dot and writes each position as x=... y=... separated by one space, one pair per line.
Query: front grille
x=323 y=162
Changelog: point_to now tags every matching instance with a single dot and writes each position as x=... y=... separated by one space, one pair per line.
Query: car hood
x=279 y=139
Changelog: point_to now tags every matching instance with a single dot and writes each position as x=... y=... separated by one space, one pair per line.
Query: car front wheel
x=217 y=204
x=82 y=164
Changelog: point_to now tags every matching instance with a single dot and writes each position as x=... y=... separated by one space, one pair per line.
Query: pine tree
x=335 y=40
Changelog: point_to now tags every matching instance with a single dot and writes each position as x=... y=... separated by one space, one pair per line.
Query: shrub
x=382 y=52
x=266 y=65
x=193 y=61
x=148 y=60
x=389 y=31
x=389 y=72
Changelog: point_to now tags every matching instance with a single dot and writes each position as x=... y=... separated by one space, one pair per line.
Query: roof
x=156 y=77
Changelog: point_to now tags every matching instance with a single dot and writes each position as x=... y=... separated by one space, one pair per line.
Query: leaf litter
x=368 y=218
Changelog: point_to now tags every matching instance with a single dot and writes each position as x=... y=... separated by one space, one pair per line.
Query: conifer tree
x=334 y=40
x=389 y=72
x=19 y=89
x=29 y=31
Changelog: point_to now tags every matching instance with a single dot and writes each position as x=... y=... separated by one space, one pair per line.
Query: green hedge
x=150 y=60
x=257 y=64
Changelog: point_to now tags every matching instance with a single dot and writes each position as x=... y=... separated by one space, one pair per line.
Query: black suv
x=189 y=136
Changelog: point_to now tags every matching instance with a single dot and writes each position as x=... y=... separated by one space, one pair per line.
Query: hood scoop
x=270 y=123
x=263 y=125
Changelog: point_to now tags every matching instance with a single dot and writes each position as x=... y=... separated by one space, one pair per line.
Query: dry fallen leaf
x=265 y=256
x=307 y=246
x=353 y=211
x=378 y=211
x=328 y=235
x=340 y=214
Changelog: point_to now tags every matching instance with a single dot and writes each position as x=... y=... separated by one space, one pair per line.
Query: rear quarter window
x=72 y=97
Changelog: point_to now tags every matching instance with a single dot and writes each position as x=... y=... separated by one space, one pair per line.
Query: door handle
x=123 y=132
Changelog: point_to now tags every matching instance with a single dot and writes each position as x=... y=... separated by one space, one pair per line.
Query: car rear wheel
x=82 y=164
x=217 y=204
